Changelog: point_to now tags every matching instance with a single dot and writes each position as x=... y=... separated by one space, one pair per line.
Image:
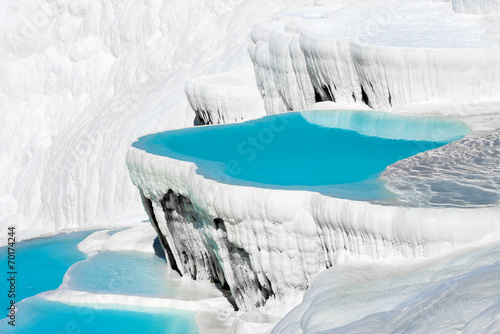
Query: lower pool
x=127 y=273
x=41 y=265
x=337 y=153
x=36 y=315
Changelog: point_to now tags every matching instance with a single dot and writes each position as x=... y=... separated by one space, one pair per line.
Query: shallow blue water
x=36 y=316
x=338 y=153
x=127 y=273
x=41 y=265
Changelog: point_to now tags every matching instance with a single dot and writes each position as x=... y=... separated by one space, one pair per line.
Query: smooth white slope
x=457 y=293
x=82 y=79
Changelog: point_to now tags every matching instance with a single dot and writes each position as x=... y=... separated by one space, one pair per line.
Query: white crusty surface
x=465 y=173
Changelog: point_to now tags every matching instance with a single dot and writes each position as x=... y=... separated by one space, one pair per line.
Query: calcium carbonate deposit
x=83 y=80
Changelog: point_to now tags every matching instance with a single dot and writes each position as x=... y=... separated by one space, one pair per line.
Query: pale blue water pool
x=126 y=273
x=337 y=153
x=41 y=265
x=37 y=315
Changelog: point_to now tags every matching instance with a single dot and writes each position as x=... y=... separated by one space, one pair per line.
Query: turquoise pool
x=37 y=315
x=126 y=273
x=337 y=153
x=43 y=262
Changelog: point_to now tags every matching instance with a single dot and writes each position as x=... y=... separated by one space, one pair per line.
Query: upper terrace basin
x=336 y=153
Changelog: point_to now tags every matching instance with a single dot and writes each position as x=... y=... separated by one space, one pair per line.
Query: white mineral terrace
x=383 y=54
x=406 y=57
x=81 y=80
x=225 y=97
x=291 y=236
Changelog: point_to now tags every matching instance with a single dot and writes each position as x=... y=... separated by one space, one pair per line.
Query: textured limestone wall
x=377 y=54
x=198 y=247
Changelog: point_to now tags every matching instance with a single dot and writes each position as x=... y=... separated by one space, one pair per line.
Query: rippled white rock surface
x=465 y=173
